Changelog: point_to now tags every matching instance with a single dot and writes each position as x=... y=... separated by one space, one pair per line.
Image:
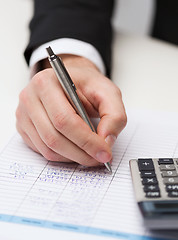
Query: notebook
x=66 y=199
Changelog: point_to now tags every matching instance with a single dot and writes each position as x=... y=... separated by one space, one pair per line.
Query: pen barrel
x=70 y=89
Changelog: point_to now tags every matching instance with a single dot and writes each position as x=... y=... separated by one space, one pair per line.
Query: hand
x=50 y=126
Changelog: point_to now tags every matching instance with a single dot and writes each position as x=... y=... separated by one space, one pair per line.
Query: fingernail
x=103 y=156
x=110 y=140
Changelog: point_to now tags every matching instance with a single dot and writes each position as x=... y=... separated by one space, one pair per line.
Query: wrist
x=70 y=60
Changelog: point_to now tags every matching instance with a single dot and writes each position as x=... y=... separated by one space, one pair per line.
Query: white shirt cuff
x=69 y=46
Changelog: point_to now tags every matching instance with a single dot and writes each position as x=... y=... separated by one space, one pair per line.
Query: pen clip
x=69 y=78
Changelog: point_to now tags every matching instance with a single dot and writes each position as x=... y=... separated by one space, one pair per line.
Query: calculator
x=155 y=182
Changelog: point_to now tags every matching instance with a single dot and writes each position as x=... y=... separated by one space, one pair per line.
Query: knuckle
x=86 y=143
x=119 y=92
x=121 y=119
x=23 y=96
x=60 y=158
x=48 y=154
x=60 y=121
x=51 y=141
x=52 y=156
x=124 y=119
x=41 y=79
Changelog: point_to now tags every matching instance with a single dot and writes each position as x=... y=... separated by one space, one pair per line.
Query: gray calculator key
x=173 y=194
x=151 y=188
x=145 y=165
x=170 y=180
x=165 y=161
x=149 y=181
x=169 y=174
x=148 y=174
x=171 y=187
x=153 y=194
x=167 y=167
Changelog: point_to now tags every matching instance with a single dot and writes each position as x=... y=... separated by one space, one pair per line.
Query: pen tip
x=50 y=51
x=108 y=166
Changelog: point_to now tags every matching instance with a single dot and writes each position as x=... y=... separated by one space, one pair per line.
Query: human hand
x=49 y=125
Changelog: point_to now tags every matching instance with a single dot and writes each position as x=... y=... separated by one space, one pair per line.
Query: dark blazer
x=90 y=21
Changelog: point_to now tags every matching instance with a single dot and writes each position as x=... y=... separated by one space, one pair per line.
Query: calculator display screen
x=166 y=206
x=159 y=208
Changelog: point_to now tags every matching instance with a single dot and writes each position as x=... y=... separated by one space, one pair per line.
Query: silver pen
x=70 y=90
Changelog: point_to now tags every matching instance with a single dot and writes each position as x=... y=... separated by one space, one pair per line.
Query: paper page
x=89 y=201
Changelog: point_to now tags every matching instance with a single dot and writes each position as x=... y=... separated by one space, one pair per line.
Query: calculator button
x=149 y=181
x=171 y=187
x=173 y=194
x=153 y=194
x=165 y=161
x=167 y=167
x=148 y=174
x=169 y=174
x=151 y=188
x=145 y=164
x=170 y=180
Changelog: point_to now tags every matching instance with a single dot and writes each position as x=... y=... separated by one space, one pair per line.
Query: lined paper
x=70 y=197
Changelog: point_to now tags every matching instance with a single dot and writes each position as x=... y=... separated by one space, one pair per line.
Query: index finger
x=108 y=101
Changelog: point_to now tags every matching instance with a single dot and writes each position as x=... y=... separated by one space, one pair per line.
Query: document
x=67 y=197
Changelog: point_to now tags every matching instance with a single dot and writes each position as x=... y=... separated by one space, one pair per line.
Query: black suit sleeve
x=86 y=20
x=166 y=21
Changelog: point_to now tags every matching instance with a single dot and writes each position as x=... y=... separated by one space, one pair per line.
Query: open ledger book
x=68 y=198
